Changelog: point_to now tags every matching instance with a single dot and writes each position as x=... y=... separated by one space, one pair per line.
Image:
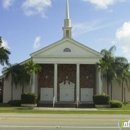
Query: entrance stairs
x=67 y=104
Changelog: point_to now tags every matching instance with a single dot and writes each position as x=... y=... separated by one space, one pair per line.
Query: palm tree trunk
x=22 y=89
x=111 y=91
x=11 y=90
x=124 y=97
x=107 y=85
x=122 y=92
x=107 y=88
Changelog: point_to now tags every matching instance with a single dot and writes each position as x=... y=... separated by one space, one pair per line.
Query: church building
x=69 y=72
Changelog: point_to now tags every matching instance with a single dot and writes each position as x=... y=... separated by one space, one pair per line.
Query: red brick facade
x=46 y=77
x=87 y=76
x=66 y=70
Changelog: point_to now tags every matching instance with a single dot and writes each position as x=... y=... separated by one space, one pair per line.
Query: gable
x=66 y=48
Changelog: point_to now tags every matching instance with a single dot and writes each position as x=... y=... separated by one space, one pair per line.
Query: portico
x=68 y=82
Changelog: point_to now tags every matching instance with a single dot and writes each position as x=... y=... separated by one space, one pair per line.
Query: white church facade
x=69 y=72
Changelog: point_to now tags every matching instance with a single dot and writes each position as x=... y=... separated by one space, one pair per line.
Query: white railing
x=54 y=101
x=77 y=101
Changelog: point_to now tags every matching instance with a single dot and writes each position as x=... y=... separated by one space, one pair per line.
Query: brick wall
x=69 y=71
x=46 y=77
x=87 y=76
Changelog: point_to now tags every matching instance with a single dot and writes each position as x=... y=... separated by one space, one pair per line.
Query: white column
x=33 y=83
x=55 y=82
x=77 y=81
x=99 y=82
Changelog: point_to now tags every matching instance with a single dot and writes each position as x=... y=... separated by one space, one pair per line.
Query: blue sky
x=29 y=25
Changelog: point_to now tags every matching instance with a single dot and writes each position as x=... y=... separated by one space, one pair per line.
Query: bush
x=14 y=102
x=116 y=104
x=29 y=98
x=1 y=99
x=101 y=99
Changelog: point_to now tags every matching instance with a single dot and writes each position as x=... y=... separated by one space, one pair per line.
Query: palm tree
x=111 y=67
x=23 y=78
x=12 y=72
x=4 y=54
x=107 y=66
x=123 y=73
x=32 y=69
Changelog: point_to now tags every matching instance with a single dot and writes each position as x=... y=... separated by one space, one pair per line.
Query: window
x=67 y=33
x=67 y=50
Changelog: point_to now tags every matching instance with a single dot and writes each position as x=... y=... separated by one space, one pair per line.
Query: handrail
x=54 y=101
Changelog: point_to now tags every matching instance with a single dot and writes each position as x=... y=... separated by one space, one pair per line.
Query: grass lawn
x=4 y=108
x=124 y=107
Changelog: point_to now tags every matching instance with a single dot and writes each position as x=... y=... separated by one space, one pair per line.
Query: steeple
x=67 y=29
x=67 y=9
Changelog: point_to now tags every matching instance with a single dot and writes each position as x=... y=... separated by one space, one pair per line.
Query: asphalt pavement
x=60 y=122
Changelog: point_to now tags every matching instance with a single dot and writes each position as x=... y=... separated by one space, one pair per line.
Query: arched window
x=67 y=33
x=67 y=50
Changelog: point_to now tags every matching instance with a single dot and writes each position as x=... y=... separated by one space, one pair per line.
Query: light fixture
x=66 y=77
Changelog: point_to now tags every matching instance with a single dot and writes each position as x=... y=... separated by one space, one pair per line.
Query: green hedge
x=101 y=99
x=1 y=99
x=29 y=98
x=116 y=104
x=15 y=102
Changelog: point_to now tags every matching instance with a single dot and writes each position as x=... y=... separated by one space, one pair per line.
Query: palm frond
x=112 y=50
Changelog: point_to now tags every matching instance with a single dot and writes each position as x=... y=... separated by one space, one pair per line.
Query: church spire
x=67 y=29
x=67 y=9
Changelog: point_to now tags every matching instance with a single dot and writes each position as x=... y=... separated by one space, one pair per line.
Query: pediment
x=66 y=48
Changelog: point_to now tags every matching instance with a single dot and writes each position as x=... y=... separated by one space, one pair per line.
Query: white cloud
x=124 y=31
x=37 y=44
x=7 y=3
x=103 y=4
x=5 y=44
x=123 y=36
x=33 y=7
x=82 y=28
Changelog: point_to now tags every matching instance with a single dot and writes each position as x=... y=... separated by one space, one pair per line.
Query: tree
x=4 y=54
x=113 y=67
x=123 y=73
x=32 y=69
x=107 y=66
x=23 y=78
x=12 y=72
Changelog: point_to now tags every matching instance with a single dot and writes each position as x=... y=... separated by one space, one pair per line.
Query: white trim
x=69 y=60
x=77 y=80
x=99 y=82
x=24 y=62
x=55 y=81
x=62 y=41
x=21 y=63
x=33 y=83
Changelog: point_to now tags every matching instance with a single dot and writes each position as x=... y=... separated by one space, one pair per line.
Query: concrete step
x=65 y=105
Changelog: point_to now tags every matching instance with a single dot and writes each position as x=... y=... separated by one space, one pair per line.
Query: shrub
x=101 y=99
x=1 y=99
x=116 y=104
x=29 y=98
x=14 y=102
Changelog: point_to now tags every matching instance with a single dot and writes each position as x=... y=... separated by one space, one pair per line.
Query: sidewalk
x=72 y=109
x=65 y=109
